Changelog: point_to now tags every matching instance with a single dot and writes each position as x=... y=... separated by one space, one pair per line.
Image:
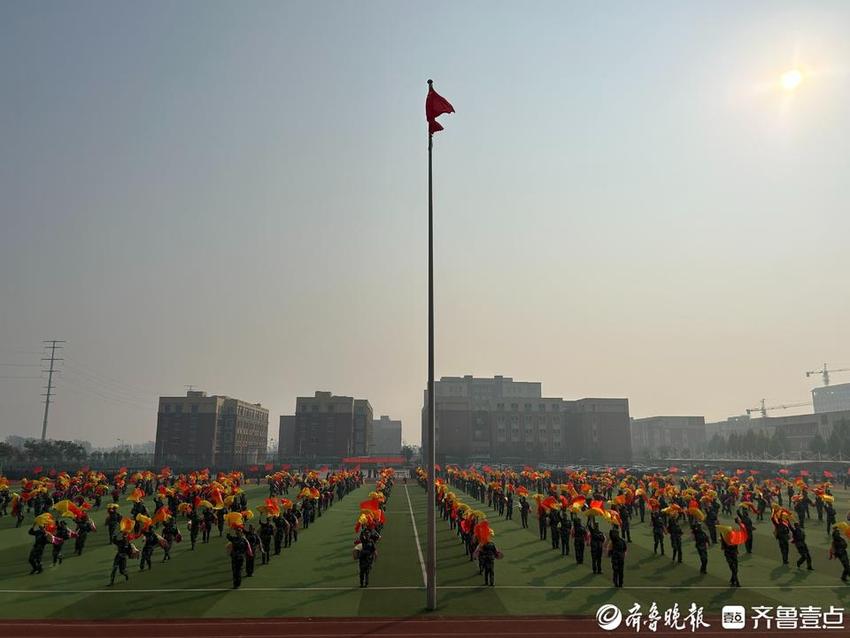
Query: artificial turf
x=533 y=578
x=318 y=577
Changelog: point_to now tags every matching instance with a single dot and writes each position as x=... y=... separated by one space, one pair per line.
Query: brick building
x=198 y=431
x=500 y=420
x=386 y=436
x=326 y=426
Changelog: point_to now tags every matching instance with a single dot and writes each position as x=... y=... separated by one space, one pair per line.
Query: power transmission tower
x=53 y=346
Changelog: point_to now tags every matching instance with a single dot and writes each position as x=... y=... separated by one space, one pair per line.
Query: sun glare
x=790 y=80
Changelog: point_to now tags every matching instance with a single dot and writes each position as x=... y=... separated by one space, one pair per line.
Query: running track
x=415 y=627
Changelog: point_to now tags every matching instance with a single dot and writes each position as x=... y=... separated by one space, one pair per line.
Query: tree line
x=757 y=442
x=836 y=444
x=57 y=452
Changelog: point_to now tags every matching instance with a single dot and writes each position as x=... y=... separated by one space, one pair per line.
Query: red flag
x=435 y=104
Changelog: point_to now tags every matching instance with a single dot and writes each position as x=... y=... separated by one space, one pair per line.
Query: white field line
x=416 y=536
x=403 y=588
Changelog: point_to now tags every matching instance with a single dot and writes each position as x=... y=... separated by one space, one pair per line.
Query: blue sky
x=233 y=195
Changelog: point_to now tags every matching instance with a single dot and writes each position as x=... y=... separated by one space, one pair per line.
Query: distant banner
x=373 y=460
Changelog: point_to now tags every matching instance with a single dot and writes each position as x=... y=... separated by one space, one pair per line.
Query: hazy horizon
x=233 y=196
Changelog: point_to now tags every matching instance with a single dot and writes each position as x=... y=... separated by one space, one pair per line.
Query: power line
x=81 y=386
x=18 y=351
x=53 y=346
x=117 y=386
x=71 y=373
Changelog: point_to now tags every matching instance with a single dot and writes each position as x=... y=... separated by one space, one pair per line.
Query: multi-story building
x=831 y=398
x=738 y=423
x=286 y=438
x=363 y=445
x=217 y=431
x=679 y=434
x=327 y=426
x=506 y=421
x=386 y=436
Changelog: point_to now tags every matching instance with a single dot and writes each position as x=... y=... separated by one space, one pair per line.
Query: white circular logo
x=609 y=617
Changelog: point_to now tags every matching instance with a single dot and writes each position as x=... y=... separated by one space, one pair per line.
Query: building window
x=194 y=408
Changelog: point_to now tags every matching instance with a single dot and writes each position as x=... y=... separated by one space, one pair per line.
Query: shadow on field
x=144 y=605
x=292 y=604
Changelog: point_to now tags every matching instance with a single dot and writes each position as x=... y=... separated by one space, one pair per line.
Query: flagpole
x=431 y=555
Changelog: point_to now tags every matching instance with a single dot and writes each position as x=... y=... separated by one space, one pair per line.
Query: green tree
x=9 y=453
x=817 y=444
x=407 y=453
x=717 y=444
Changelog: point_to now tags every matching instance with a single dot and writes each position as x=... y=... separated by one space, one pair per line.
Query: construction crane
x=824 y=372
x=764 y=410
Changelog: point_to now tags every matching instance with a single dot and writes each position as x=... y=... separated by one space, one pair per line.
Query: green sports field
x=317 y=576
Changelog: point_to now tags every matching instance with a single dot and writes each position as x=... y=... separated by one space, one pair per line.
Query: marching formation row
x=571 y=505
x=202 y=501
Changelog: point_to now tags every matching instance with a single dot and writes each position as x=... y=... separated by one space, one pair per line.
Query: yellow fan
x=234 y=520
x=697 y=514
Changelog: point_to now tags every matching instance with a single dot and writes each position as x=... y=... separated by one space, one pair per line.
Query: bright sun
x=790 y=80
